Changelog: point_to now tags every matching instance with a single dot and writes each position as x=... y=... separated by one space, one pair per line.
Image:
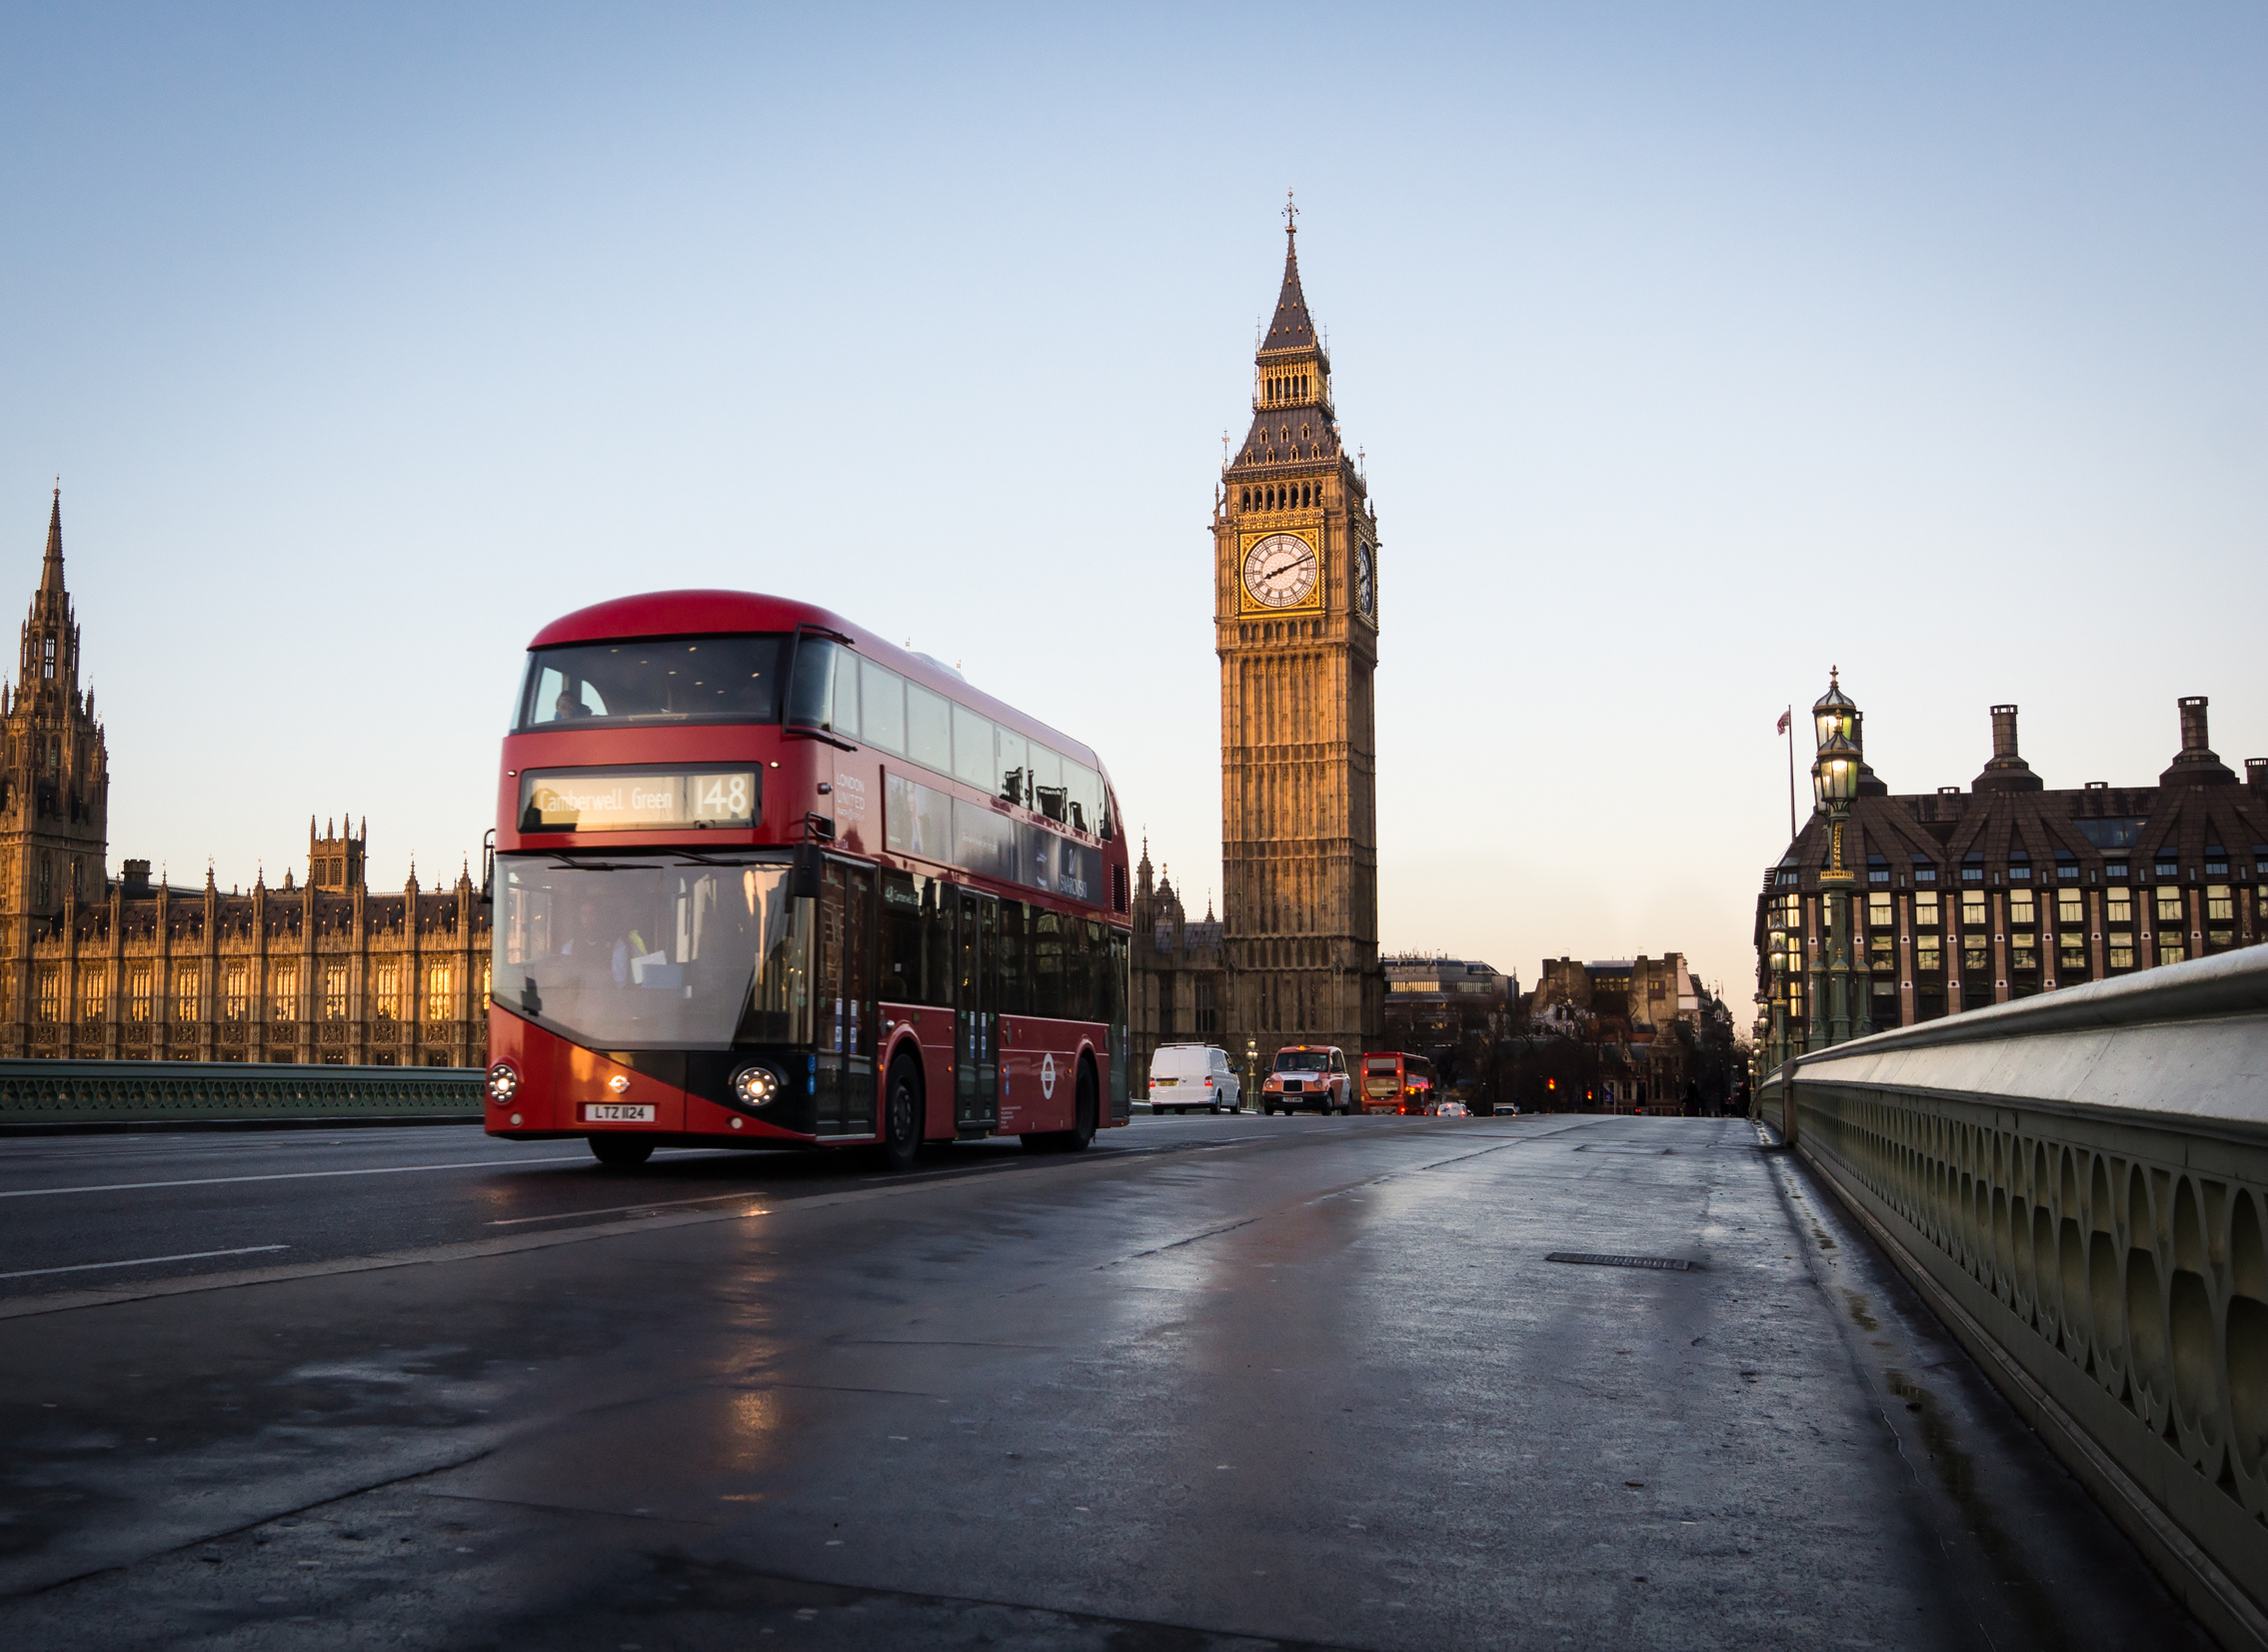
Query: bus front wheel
x=901 y=1117
x=621 y=1152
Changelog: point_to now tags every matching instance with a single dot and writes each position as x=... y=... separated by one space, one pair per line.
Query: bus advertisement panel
x=762 y=880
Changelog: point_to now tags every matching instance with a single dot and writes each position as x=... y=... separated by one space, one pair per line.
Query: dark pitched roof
x=1292 y=328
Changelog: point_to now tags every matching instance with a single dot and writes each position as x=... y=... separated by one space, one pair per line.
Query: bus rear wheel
x=901 y=1117
x=1086 y=1111
x=622 y=1153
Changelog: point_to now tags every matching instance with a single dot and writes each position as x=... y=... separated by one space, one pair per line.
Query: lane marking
x=290 y=1175
x=143 y=1261
x=618 y=1209
x=517 y=1243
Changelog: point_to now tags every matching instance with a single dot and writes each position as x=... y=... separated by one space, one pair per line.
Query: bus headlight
x=756 y=1086
x=503 y=1082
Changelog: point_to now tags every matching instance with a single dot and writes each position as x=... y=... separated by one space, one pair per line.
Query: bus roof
x=726 y=612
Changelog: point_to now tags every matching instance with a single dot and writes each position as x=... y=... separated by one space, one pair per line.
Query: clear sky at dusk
x=1694 y=349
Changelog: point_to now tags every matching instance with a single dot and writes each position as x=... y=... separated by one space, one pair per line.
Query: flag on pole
x=1784 y=715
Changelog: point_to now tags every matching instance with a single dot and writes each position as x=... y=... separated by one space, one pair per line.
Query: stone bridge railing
x=36 y=1095
x=2079 y=1184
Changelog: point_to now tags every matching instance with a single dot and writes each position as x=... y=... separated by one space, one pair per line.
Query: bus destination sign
x=637 y=799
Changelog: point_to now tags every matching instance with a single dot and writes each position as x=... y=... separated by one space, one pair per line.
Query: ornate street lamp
x=1835 y=786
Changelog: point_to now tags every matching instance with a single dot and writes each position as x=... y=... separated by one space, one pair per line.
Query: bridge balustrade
x=2079 y=1184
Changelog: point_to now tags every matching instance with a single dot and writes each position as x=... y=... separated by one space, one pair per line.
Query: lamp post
x=1251 y=1073
x=1834 y=784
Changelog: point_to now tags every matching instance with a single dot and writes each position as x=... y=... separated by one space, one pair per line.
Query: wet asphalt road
x=1217 y=1382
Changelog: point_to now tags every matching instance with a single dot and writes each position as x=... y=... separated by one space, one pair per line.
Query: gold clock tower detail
x=1296 y=577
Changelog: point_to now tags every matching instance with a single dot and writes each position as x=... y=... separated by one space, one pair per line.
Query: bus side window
x=882 y=706
x=1047 y=782
x=811 y=697
x=1014 y=1000
x=857 y=962
x=902 y=898
x=937 y=932
x=1084 y=970
x=1097 y=973
x=1047 y=962
x=828 y=965
x=929 y=729
x=1014 y=776
x=971 y=747
x=1082 y=790
x=846 y=693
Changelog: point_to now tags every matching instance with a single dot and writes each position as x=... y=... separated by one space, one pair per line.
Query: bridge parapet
x=2079 y=1184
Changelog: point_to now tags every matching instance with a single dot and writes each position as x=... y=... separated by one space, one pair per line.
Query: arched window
x=47 y=656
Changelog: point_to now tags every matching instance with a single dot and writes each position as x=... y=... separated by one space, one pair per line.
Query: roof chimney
x=2006 y=771
x=2256 y=775
x=2195 y=764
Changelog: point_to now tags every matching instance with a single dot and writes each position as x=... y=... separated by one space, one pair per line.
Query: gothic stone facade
x=1296 y=555
x=1180 y=979
x=97 y=968
x=1968 y=898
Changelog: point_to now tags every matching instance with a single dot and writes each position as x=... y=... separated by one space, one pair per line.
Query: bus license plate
x=618 y=1112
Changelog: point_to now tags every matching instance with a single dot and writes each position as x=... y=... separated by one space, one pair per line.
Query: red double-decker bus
x=763 y=879
x=1397 y=1082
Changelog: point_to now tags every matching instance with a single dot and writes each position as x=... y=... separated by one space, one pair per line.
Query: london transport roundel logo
x=1047 y=1078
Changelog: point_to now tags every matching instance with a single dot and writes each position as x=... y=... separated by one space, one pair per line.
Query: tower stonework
x=54 y=784
x=1295 y=564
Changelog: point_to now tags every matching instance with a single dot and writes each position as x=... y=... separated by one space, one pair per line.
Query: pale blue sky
x=1694 y=349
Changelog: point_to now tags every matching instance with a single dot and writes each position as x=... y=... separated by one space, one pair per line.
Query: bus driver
x=597 y=956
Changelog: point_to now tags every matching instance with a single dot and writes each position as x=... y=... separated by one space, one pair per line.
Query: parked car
x=1182 y=1077
x=1309 y=1079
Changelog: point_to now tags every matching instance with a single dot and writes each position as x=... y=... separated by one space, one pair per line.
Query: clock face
x=1365 y=593
x=1279 y=571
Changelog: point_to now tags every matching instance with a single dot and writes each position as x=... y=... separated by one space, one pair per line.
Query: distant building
x=2010 y=888
x=1644 y=991
x=97 y=968
x=1178 y=980
x=1424 y=976
x=1650 y=1034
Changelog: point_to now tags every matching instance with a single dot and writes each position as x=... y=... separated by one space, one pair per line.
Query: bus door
x=976 y=1021
x=843 y=1071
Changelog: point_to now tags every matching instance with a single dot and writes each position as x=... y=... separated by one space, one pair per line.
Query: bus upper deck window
x=656 y=680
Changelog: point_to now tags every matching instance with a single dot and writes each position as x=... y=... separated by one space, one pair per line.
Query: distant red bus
x=1394 y=1083
x=762 y=880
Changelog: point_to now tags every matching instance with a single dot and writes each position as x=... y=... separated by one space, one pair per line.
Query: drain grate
x=1671 y=1264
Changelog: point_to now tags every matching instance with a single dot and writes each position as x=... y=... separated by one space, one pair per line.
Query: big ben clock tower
x=1296 y=610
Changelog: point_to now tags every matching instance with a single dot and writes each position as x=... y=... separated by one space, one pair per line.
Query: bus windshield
x=655 y=680
x=653 y=954
x=1301 y=1061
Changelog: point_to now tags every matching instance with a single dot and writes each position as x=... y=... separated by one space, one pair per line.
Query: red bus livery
x=1394 y=1083
x=762 y=880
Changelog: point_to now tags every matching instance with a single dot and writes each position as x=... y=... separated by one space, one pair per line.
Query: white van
x=1182 y=1077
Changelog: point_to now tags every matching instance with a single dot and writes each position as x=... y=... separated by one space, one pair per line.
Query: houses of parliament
x=1294 y=958
x=98 y=967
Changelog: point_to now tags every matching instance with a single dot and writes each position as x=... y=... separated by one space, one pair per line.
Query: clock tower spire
x=1296 y=620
